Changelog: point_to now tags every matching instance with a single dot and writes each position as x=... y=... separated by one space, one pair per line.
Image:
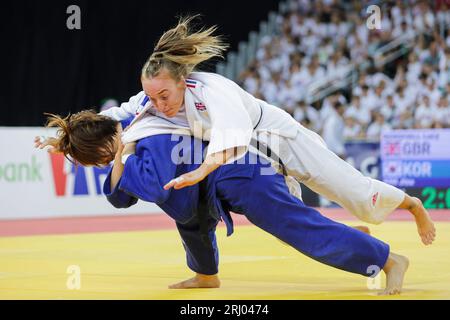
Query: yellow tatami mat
x=254 y=265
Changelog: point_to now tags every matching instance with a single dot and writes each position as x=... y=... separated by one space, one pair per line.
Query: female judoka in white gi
x=218 y=110
x=142 y=171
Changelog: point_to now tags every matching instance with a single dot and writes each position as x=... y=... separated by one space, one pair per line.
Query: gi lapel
x=139 y=116
x=190 y=97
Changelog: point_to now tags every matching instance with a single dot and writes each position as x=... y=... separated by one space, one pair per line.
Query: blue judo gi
x=241 y=188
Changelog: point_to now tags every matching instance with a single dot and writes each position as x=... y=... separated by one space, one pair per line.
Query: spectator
x=442 y=113
x=425 y=113
x=352 y=129
x=317 y=41
x=360 y=114
x=304 y=112
x=376 y=128
x=333 y=130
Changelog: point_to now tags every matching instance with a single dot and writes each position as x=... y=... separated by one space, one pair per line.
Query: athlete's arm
x=211 y=163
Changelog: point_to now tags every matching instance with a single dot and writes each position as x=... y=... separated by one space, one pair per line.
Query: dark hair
x=87 y=137
x=337 y=105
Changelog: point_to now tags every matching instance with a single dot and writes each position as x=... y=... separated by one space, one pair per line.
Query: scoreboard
x=418 y=161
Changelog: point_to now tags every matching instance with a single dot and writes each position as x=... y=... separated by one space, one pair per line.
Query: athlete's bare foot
x=425 y=225
x=395 y=269
x=199 y=281
x=363 y=229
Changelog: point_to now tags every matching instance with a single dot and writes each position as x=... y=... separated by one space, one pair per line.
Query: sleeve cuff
x=125 y=157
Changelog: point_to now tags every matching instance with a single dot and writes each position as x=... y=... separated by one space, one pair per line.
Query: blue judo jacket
x=161 y=158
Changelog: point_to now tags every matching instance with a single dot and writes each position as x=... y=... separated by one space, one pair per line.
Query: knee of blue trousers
x=324 y=240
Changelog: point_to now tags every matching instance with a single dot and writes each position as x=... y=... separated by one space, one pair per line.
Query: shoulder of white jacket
x=198 y=80
x=143 y=99
x=205 y=76
x=195 y=80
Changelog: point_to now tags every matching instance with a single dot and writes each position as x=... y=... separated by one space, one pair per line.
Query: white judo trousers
x=307 y=158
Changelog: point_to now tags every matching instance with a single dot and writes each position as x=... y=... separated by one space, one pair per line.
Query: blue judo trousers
x=243 y=187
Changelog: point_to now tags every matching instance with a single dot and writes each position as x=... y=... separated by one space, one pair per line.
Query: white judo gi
x=218 y=110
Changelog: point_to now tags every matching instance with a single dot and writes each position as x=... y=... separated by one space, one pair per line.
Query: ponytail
x=87 y=137
x=180 y=50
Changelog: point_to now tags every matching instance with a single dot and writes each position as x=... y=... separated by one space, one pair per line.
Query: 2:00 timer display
x=433 y=198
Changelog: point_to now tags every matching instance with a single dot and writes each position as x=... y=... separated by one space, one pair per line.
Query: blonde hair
x=180 y=50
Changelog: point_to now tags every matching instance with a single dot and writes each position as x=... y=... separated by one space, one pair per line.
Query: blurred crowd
x=319 y=39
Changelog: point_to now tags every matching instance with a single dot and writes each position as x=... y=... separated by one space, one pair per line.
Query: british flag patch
x=191 y=83
x=200 y=106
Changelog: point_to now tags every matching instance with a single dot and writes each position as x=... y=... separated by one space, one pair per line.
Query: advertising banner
x=364 y=156
x=37 y=184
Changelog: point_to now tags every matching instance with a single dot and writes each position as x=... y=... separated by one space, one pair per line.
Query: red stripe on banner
x=75 y=225
x=28 y=227
x=398 y=215
x=159 y=221
x=59 y=175
x=190 y=85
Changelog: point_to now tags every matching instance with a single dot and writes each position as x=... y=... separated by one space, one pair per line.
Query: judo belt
x=270 y=154
x=260 y=117
x=203 y=212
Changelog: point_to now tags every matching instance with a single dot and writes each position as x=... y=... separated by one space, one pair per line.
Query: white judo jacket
x=217 y=110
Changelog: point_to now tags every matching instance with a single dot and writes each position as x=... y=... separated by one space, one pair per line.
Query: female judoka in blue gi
x=140 y=171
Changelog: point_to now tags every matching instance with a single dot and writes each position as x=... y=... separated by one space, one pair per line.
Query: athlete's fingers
x=173 y=183
x=170 y=184
x=41 y=142
x=52 y=150
x=37 y=142
x=181 y=185
x=186 y=180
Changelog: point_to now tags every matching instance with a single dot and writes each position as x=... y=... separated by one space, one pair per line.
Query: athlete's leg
x=269 y=205
x=371 y=200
